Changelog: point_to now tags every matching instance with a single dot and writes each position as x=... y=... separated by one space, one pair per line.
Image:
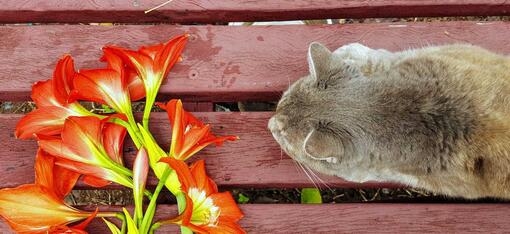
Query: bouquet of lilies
x=75 y=143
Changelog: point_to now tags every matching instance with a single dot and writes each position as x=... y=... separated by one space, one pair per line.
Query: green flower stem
x=181 y=206
x=133 y=131
x=151 y=209
x=135 y=134
x=138 y=212
x=107 y=214
x=122 y=218
x=149 y=102
x=119 y=168
x=154 y=227
x=148 y=194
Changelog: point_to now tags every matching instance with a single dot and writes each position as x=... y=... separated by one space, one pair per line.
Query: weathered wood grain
x=232 y=10
x=254 y=161
x=220 y=63
x=356 y=218
x=375 y=218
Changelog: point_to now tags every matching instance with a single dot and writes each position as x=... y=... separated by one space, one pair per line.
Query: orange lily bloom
x=189 y=135
x=152 y=63
x=51 y=97
x=24 y=206
x=207 y=210
x=108 y=85
x=75 y=229
x=92 y=147
x=133 y=81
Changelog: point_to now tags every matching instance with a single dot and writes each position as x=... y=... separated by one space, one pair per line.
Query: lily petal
x=76 y=229
x=189 y=135
x=183 y=173
x=82 y=149
x=51 y=98
x=83 y=134
x=224 y=228
x=203 y=182
x=113 y=138
x=178 y=128
x=94 y=181
x=229 y=209
x=105 y=86
x=43 y=94
x=62 y=79
x=49 y=175
x=21 y=205
x=210 y=139
x=140 y=172
x=169 y=54
x=133 y=82
x=46 y=120
x=212 y=212
x=152 y=63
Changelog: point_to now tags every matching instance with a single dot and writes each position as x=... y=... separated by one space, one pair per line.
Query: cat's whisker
x=313 y=176
x=308 y=175
x=318 y=178
x=296 y=166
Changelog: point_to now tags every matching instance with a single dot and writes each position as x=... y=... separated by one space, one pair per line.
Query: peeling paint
x=397 y=26
x=484 y=23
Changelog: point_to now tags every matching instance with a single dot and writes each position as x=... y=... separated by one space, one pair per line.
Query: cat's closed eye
x=322 y=85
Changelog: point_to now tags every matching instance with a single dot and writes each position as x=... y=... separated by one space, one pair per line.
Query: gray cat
x=436 y=118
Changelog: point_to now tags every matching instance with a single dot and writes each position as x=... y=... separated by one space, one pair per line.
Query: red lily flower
x=189 y=135
x=22 y=207
x=75 y=229
x=92 y=147
x=108 y=85
x=133 y=81
x=207 y=210
x=152 y=63
x=50 y=97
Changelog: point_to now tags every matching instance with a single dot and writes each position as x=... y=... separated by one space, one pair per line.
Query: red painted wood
x=220 y=63
x=198 y=106
x=253 y=161
x=237 y=10
x=357 y=218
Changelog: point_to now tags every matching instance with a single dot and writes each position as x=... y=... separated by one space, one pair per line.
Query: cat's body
x=436 y=118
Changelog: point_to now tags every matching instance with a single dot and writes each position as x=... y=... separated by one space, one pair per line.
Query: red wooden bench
x=230 y=64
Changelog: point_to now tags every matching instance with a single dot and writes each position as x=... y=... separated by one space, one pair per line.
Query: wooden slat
x=254 y=161
x=220 y=63
x=198 y=106
x=232 y=10
x=374 y=218
x=357 y=218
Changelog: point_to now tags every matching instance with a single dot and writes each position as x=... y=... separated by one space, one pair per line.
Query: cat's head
x=312 y=117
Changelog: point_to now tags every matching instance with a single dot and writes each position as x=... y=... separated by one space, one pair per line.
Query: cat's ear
x=323 y=146
x=319 y=59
